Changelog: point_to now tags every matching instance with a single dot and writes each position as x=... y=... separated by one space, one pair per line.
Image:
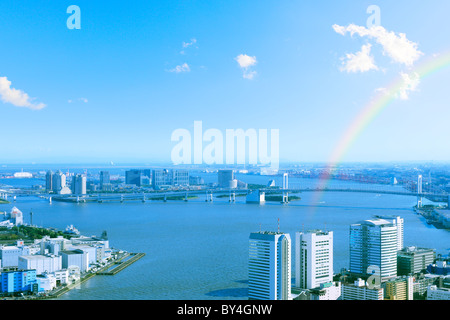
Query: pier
x=120 y=264
x=117 y=265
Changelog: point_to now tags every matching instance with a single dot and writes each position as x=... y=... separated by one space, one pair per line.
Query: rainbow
x=383 y=99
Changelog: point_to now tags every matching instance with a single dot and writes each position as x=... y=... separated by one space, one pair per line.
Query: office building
x=48 y=181
x=412 y=260
x=79 y=184
x=269 y=267
x=373 y=246
x=313 y=258
x=180 y=177
x=225 y=179
x=169 y=178
x=398 y=222
x=358 y=290
x=105 y=179
x=133 y=177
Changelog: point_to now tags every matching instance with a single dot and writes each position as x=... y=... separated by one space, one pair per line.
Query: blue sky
x=111 y=91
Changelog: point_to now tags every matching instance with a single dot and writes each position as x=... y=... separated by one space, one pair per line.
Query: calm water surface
x=199 y=250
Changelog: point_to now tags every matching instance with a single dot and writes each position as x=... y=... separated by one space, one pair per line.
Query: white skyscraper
x=398 y=221
x=269 y=267
x=313 y=258
x=373 y=247
x=79 y=184
x=58 y=181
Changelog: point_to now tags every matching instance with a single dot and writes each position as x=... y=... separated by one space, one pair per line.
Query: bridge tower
x=419 y=191
x=209 y=196
x=285 y=187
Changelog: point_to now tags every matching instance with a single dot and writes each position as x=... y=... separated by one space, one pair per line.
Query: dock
x=117 y=266
x=120 y=264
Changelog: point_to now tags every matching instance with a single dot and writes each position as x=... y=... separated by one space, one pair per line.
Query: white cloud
x=361 y=61
x=188 y=44
x=17 y=97
x=79 y=99
x=181 y=68
x=410 y=83
x=245 y=62
x=396 y=46
x=249 y=75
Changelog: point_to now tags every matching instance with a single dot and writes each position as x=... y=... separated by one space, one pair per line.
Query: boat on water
x=72 y=230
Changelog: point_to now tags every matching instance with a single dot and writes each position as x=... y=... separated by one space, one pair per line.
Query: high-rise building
x=58 y=181
x=169 y=178
x=373 y=247
x=48 y=181
x=313 y=258
x=225 y=179
x=105 y=179
x=79 y=184
x=133 y=177
x=269 y=267
x=412 y=260
x=397 y=221
x=180 y=177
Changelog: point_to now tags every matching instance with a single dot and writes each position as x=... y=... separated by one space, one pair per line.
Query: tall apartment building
x=58 y=181
x=399 y=288
x=373 y=246
x=313 y=258
x=269 y=266
x=413 y=260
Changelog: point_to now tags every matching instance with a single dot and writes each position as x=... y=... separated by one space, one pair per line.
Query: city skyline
x=117 y=88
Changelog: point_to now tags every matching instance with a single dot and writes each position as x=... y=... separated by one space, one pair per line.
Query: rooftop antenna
x=260 y=228
x=278 y=225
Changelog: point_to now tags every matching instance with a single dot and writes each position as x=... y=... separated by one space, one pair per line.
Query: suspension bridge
x=256 y=195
